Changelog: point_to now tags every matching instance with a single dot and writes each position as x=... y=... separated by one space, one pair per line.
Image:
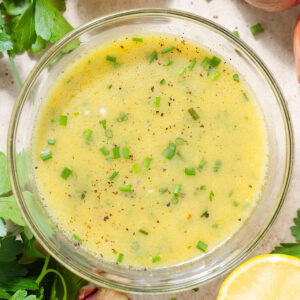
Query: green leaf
x=16 y=7
x=22 y=295
x=49 y=23
x=19 y=284
x=296 y=229
x=22 y=30
x=4 y=295
x=9 y=249
x=4 y=180
x=10 y=211
x=30 y=251
x=23 y=159
x=5 y=42
x=38 y=45
x=28 y=233
x=3 y=230
x=11 y=270
x=60 y=4
x=288 y=249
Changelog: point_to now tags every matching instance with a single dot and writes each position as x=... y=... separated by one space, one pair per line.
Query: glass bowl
x=201 y=31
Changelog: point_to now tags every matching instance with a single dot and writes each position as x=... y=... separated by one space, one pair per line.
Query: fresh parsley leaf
x=22 y=165
x=12 y=270
x=296 y=229
x=49 y=23
x=60 y=4
x=4 y=180
x=288 y=249
x=10 y=211
x=5 y=42
x=19 y=283
x=4 y=295
x=3 y=230
x=28 y=233
x=22 y=295
x=14 y=8
x=38 y=45
x=30 y=251
x=9 y=249
x=22 y=30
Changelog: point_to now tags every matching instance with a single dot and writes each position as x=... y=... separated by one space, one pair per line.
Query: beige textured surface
x=274 y=47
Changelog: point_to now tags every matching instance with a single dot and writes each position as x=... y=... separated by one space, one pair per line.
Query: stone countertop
x=274 y=46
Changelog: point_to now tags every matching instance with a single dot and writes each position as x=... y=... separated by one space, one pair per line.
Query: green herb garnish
x=236 y=77
x=136 y=168
x=214 y=75
x=155 y=259
x=217 y=166
x=177 y=189
x=201 y=246
x=77 y=238
x=236 y=33
x=142 y=231
x=202 y=187
x=163 y=190
x=163 y=81
x=256 y=29
x=179 y=141
x=126 y=153
x=170 y=62
x=147 y=162
x=193 y=113
x=166 y=50
x=125 y=188
x=201 y=165
x=152 y=56
x=87 y=134
x=108 y=133
x=170 y=151
x=113 y=175
x=45 y=155
x=110 y=86
x=116 y=152
x=104 y=151
x=66 y=172
x=51 y=141
x=181 y=71
x=103 y=123
x=111 y=58
x=193 y=64
x=190 y=171
x=63 y=120
x=136 y=39
x=205 y=62
x=211 y=196
x=135 y=245
x=120 y=257
x=122 y=117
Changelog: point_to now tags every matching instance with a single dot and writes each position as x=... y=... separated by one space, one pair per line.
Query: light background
x=274 y=46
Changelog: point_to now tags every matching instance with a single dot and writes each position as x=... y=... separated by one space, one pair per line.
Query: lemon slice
x=264 y=277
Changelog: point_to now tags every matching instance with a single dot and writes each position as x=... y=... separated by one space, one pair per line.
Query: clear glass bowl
x=200 y=31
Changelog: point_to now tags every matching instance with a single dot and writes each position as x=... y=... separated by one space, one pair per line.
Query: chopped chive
x=157 y=101
x=103 y=123
x=202 y=187
x=196 y=289
x=201 y=246
x=125 y=188
x=214 y=75
x=135 y=245
x=205 y=62
x=122 y=117
x=110 y=86
x=116 y=152
x=181 y=71
x=170 y=62
x=256 y=29
x=152 y=56
x=77 y=238
x=166 y=50
x=111 y=58
x=63 y=120
x=190 y=171
x=163 y=190
x=136 y=168
x=204 y=214
x=211 y=195
x=170 y=151
x=193 y=113
x=235 y=203
x=193 y=63
x=155 y=259
x=215 y=61
x=104 y=151
x=236 y=33
x=136 y=39
x=163 y=81
x=87 y=134
x=215 y=225
x=126 y=153
x=51 y=141
x=230 y=193
x=82 y=196
x=45 y=155
x=147 y=162
x=143 y=231
x=179 y=154
x=108 y=133
x=66 y=172
x=175 y=200
x=179 y=141
x=245 y=96
x=113 y=175
x=236 y=77
x=217 y=165
x=201 y=165
x=76 y=113
x=177 y=189
x=120 y=257
x=114 y=251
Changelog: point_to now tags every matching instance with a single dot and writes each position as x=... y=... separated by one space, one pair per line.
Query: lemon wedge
x=264 y=277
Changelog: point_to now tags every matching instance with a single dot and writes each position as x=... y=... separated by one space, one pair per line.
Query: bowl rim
x=148 y=12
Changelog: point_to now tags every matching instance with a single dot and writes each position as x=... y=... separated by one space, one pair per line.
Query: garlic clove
x=273 y=5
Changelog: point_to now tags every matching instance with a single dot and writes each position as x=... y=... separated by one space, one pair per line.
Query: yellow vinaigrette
x=149 y=152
